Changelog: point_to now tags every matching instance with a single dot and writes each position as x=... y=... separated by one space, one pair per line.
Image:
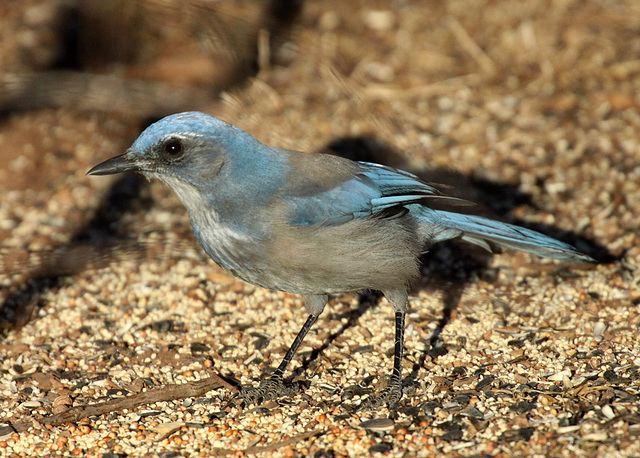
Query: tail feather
x=480 y=231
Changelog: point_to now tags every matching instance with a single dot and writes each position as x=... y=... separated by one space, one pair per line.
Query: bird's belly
x=330 y=260
x=244 y=257
x=360 y=254
x=253 y=268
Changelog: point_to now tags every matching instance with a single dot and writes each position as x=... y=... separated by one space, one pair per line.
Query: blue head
x=193 y=151
x=188 y=146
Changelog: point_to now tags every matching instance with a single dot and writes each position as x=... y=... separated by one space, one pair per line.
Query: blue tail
x=443 y=225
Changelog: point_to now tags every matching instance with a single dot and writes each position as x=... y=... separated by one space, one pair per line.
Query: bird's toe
x=268 y=389
x=386 y=397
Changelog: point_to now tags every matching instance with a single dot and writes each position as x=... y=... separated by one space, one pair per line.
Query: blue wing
x=372 y=190
x=377 y=190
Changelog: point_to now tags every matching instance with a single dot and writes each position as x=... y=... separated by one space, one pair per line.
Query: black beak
x=118 y=164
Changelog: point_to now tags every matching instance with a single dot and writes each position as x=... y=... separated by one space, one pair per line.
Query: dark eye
x=173 y=148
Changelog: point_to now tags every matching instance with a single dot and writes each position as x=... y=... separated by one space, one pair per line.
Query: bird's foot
x=386 y=397
x=269 y=389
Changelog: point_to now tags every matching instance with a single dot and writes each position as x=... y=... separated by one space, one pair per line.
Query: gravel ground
x=530 y=109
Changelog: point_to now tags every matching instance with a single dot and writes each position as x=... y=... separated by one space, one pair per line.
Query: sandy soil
x=530 y=109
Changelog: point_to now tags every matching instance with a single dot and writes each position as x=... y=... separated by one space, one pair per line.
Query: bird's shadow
x=450 y=265
x=97 y=243
x=100 y=240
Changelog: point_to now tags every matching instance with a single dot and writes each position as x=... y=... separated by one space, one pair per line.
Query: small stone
x=598 y=330
x=378 y=424
x=560 y=376
x=567 y=429
x=596 y=437
x=167 y=429
x=608 y=412
x=379 y=20
x=31 y=404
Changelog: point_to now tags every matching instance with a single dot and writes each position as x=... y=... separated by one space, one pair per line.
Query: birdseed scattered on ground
x=531 y=110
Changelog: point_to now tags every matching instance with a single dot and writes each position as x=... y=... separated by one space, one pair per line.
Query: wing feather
x=371 y=191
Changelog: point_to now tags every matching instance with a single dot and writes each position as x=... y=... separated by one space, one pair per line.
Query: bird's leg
x=395 y=381
x=273 y=387
x=393 y=392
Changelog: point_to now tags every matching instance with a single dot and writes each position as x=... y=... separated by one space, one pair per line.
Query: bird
x=310 y=223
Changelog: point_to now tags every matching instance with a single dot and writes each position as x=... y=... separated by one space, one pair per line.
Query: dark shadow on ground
x=96 y=244
x=87 y=41
x=451 y=265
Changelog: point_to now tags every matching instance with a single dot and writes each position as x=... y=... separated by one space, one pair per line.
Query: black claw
x=389 y=397
x=269 y=389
